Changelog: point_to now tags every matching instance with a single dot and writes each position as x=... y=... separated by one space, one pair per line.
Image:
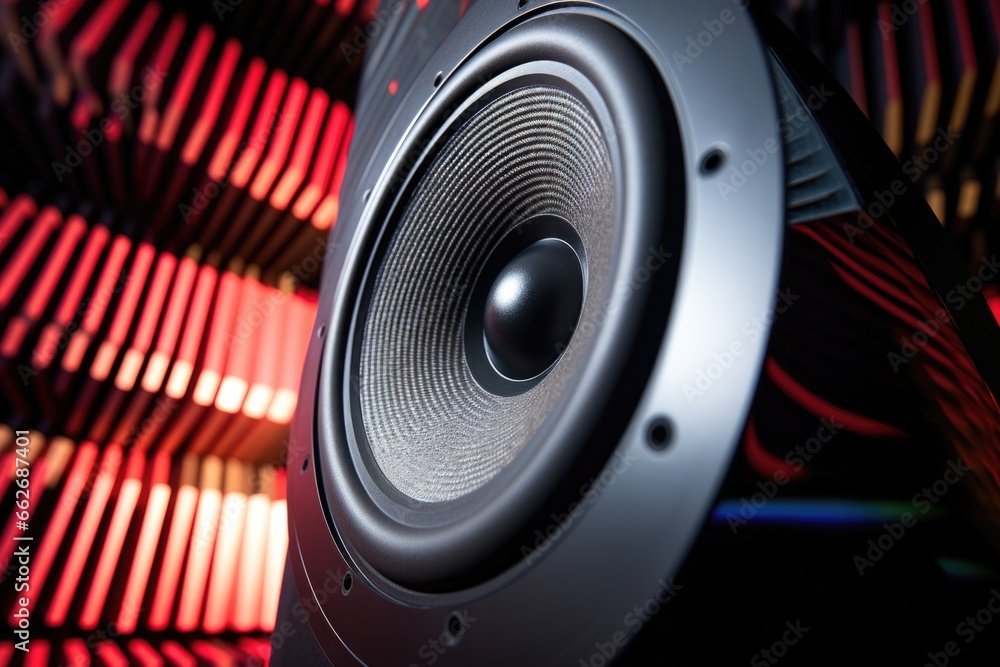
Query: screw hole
x=348 y=583
x=521 y=4
x=660 y=433
x=321 y=332
x=455 y=627
x=438 y=79
x=366 y=195
x=712 y=161
x=305 y=465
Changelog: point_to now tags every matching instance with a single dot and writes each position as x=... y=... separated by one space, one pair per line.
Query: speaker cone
x=523 y=242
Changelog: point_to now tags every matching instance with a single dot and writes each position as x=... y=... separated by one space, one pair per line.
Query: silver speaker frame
x=635 y=534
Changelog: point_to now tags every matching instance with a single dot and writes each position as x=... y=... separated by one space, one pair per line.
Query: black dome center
x=533 y=308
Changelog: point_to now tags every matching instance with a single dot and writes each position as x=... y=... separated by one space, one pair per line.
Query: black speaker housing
x=714 y=85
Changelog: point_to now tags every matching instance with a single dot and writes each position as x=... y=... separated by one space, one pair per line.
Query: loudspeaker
x=634 y=344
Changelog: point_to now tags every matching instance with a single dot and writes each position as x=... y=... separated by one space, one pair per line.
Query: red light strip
x=178 y=538
x=191 y=340
x=75 y=652
x=305 y=146
x=14 y=274
x=281 y=144
x=97 y=307
x=177 y=654
x=293 y=175
x=72 y=296
x=217 y=91
x=200 y=133
x=111 y=655
x=130 y=426
x=161 y=62
x=159 y=288
x=177 y=106
x=128 y=498
x=324 y=162
x=202 y=544
x=120 y=79
x=16 y=335
x=226 y=149
x=116 y=336
x=822 y=408
x=327 y=159
x=209 y=375
x=225 y=561
x=109 y=350
x=268 y=355
x=145 y=550
x=241 y=343
x=324 y=215
x=253 y=553
x=49 y=468
x=10 y=530
x=144 y=654
x=266 y=122
x=258 y=648
x=50 y=51
x=38 y=656
x=302 y=316
x=21 y=210
x=85 y=45
x=213 y=654
x=277 y=548
x=48 y=547
x=104 y=484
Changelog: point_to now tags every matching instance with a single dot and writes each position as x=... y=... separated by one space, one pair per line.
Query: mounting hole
x=321 y=331
x=521 y=4
x=348 y=582
x=455 y=627
x=438 y=79
x=660 y=433
x=712 y=161
x=366 y=195
x=305 y=465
